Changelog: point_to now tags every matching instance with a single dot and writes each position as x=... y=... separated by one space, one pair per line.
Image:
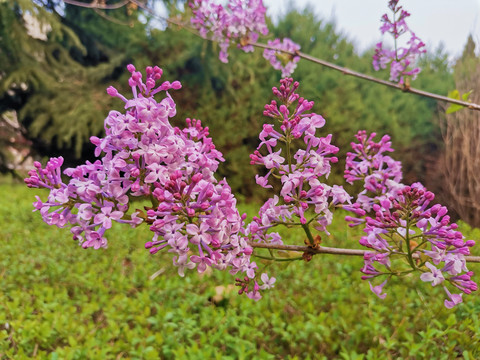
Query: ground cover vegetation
x=59 y=302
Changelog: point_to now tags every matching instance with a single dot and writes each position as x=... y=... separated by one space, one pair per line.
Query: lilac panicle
x=303 y=198
x=400 y=221
x=193 y=215
x=279 y=60
x=402 y=60
x=241 y=22
x=238 y=22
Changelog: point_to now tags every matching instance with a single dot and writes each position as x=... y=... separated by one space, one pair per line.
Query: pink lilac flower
x=268 y=282
x=455 y=299
x=303 y=198
x=241 y=22
x=434 y=276
x=381 y=175
x=238 y=22
x=193 y=215
x=402 y=60
x=377 y=290
x=280 y=60
x=400 y=220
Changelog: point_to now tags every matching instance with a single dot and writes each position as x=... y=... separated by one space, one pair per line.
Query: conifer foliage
x=53 y=72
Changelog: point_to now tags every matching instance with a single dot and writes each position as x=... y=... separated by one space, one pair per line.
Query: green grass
x=58 y=301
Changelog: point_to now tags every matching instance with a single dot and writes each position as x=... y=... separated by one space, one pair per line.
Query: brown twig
x=96 y=5
x=109 y=18
x=330 y=250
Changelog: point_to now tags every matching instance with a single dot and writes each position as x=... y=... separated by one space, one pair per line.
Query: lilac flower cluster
x=400 y=223
x=240 y=21
x=89 y=202
x=279 y=60
x=303 y=197
x=193 y=215
x=401 y=59
x=381 y=175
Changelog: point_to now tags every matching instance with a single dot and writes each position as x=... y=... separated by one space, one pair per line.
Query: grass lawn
x=58 y=301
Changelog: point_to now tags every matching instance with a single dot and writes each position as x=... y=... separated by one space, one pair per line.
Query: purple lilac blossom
x=400 y=220
x=377 y=290
x=239 y=22
x=402 y=60
x=279 y=60
x=303 y=198
x=193 y=215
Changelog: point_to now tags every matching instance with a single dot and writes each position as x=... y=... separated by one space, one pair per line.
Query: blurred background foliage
x=56 y=84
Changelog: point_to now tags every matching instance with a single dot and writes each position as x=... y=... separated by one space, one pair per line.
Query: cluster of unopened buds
x=401 y=59
x=241 y=22
x=194 y=216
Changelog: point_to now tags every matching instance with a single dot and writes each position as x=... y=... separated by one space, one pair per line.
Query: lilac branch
x=331 y=250
x=96 y=5
x=346 y=71
x=109 y=18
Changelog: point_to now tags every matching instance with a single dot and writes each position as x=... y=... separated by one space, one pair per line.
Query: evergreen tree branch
x=330 y=250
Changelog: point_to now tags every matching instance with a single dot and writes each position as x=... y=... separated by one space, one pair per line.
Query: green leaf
x=466 y=95
x=455 y=94
x=451 y=320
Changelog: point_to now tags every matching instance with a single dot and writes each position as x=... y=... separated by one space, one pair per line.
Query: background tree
x=56 y=69
x=462 y=151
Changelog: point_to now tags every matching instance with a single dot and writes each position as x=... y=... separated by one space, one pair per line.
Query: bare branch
x=330 y=250
x=96 y=5
x=109 y=18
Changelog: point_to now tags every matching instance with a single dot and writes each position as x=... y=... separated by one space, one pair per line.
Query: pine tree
x=55 y=79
